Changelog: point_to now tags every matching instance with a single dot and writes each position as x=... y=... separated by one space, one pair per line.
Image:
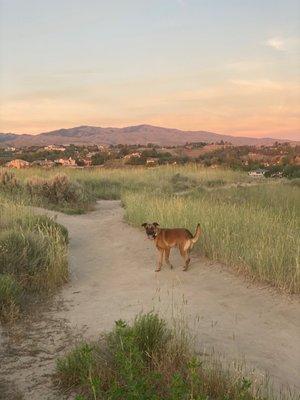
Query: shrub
x=140 y=361
x=8 y=181
x=58 y=190
x=76 y=367
x=151 y=334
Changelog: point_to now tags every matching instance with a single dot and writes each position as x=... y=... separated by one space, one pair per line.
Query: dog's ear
x=155 y=224
x=144 y=224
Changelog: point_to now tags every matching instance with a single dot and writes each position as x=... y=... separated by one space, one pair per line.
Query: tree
x=99 y=158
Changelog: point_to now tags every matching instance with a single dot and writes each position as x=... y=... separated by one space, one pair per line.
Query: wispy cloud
x=290 y=44
x=276 y=43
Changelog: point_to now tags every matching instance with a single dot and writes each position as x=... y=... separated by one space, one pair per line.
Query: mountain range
x=139 y=134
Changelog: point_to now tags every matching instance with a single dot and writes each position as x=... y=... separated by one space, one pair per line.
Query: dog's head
x=151 y=229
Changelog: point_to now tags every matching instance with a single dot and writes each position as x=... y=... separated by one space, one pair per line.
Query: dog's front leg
x=160 y=259
x=167 y=255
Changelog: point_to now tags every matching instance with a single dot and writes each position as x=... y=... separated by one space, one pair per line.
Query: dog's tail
x=197 y=234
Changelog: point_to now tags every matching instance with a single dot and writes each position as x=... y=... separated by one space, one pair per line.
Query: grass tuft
x=10 y=295
x=33 y=258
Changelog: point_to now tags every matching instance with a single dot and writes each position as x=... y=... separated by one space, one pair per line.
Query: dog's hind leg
x=167 y=255
x=185 y=255
x=160 y=259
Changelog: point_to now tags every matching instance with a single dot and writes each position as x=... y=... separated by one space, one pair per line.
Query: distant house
x=10 y=149
x=17 y=164
x=87 y=161
x=53 y=147
x=102 y=147
x=44 y=163
x=277 y=175
x=152 y=161
x=66 y=162
x=132 y=155
x=258 y=173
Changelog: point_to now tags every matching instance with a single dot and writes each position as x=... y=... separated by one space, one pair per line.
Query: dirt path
x=112 y=277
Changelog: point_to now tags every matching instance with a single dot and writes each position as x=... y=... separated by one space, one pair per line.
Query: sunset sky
x=226 y=66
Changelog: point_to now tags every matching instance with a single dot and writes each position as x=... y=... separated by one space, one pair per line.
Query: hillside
x=140 y=134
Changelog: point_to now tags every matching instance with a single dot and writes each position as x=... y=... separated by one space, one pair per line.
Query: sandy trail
x=112 y=277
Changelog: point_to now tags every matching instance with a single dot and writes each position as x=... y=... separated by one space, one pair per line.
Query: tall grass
x=110 y=183
x=33 y=257
x=56 y=192
x=255 y=229
x=247 y=233
x=151 y=360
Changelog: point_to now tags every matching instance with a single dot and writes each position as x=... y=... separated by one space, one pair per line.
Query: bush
x=10 y=293
x=58 y=190
x=77 y=366
x=151 y=334
x=8 y=181
x=141 y=361
x=99 y=158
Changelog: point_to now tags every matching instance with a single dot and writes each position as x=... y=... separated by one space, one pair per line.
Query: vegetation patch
x=255 y=230
x=149 y=360
x=10 y=296
x=33 y=258
x=181 y=183
x=57 y=192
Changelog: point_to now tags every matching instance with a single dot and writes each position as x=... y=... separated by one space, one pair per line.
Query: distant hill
x=6 y=137
x=139 y=134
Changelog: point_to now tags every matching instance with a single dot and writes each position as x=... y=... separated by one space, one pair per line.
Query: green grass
x=152 y=361
x=33 y=258
x=10 y=298
x=255 y=230
x=57 y=192
x=101 y=183
x=280 y=198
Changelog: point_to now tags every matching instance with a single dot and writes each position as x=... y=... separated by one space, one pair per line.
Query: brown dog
x=165 y=239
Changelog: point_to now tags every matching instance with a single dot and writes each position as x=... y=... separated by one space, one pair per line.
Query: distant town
x=276 y=160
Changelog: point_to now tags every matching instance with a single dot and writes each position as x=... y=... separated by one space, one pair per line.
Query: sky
x=225 y=66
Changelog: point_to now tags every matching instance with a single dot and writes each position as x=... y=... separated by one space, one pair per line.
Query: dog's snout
x=151 y=233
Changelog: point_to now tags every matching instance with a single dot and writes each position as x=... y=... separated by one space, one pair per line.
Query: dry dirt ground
x=112 y=277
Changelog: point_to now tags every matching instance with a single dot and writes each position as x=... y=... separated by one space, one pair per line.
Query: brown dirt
x=112 y=277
